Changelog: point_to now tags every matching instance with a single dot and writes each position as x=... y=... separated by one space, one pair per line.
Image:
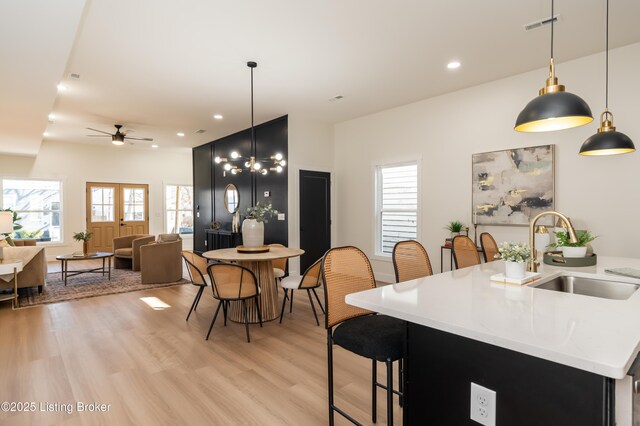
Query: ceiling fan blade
x=99 y=131
x=98 y=136
x=139 y=139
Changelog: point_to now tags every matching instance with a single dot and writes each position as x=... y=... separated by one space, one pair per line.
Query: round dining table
x=262 y=267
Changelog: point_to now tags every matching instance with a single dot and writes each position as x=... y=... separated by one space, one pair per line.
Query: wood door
x=315 y=216
x=134 y=209
x=114 y=210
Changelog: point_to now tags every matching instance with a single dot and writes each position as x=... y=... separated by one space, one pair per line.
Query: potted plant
x=454 y=227
x=577 y=249
x=515 y=256
x=253 y=224
x=83 y=236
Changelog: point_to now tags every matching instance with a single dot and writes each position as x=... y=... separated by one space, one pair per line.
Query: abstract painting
x=510 y=187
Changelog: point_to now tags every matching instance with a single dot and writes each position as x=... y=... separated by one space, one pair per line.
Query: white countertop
x=590 y=333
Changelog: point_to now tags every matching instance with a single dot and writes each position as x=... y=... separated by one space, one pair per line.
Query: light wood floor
x=154 y=368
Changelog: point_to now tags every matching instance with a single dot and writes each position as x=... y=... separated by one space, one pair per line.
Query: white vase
x=514 y=269
x=574 y=251
x=252 y=233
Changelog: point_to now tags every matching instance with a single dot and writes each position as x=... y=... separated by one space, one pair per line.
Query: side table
x=11 y=266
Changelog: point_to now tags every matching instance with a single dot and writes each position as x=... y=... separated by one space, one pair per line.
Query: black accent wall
x=209 y=181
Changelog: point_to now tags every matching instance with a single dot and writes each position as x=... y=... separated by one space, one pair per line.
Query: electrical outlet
x=280 y=216
x=483 y=405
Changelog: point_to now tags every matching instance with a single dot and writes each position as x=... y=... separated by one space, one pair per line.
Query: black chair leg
x=401 y=381
x=246 y=319
x=389 y=392
x=374 y=386
x=259 y=310
x=291 y=302
x=318 y=299
x=313 y=308
x=284 y=303
x=213 y=321
x=225 y=307
x=198 y=297
x=330 y=375
x=195 y=303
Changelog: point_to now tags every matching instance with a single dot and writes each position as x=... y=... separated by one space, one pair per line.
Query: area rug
x=85 y=285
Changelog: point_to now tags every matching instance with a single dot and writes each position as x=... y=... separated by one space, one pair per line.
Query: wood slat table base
x=268 y=295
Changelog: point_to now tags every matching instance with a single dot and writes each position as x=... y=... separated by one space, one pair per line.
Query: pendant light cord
x=606 y=78
x=552 y=19
x=253 y=136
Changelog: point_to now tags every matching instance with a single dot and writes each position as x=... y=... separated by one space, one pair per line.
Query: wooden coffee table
x=105 y=269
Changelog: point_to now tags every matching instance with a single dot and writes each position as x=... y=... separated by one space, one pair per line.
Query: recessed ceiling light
x=218 y=117
x=453 y=65
x=61 y=87
x=45 y=134
x=180 y=134
x=154 y=146
x=52 y=117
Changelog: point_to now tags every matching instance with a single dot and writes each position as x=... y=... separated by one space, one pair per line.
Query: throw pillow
x=168 y=238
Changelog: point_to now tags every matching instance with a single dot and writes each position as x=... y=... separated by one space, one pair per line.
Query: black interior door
x=315 y=216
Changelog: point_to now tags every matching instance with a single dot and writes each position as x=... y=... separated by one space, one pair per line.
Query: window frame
x=61 y=182
x=378 y=254
x=177 y=210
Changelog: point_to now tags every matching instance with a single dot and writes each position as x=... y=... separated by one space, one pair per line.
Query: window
x=179 y=202
x=396 y=205
x=38 y=203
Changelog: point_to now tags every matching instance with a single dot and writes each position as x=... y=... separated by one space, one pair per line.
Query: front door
x=114 y=210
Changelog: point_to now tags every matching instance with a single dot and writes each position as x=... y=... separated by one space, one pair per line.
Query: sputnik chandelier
x=234 y=163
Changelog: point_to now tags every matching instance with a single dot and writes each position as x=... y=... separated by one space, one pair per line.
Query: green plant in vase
x=83 y=236
x=454 y=227
x=569 y=249
x=253 y=225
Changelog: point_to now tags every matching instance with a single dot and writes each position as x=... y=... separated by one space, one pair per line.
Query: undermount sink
x=590 y=287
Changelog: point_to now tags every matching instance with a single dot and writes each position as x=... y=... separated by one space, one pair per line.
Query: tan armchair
x=126 y=250
x=161 y=261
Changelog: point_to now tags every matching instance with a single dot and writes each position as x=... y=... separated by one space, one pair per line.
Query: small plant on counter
x=562 y=239
x=261 y=212
x=513 y=252
x=454 y=226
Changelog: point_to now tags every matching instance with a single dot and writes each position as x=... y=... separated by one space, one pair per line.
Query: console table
x=218 y=239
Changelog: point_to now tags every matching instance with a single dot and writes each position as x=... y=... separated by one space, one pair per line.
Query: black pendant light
x=607 y=141
x=553 y=109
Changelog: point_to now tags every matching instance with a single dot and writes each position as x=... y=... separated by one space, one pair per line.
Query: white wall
x=598 y=193
x=76 y=164
x=310 y=148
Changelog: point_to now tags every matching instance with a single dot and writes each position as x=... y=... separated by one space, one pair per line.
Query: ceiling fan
x=118 y=137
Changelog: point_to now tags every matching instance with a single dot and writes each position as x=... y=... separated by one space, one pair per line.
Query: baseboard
x=385 y=278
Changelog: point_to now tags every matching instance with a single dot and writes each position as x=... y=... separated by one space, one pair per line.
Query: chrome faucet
x=533 y=263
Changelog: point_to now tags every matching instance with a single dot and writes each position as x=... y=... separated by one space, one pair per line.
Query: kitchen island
x=551 y=357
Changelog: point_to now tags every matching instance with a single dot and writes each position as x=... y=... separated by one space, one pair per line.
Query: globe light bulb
x=227 y=167
x=279 y=169
x=257 y=166
x=278 y=156
x=234 y=171
x=235 y=155
x=247 y=164
x=218 y=160
x=283 y=163
x=263 y=171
